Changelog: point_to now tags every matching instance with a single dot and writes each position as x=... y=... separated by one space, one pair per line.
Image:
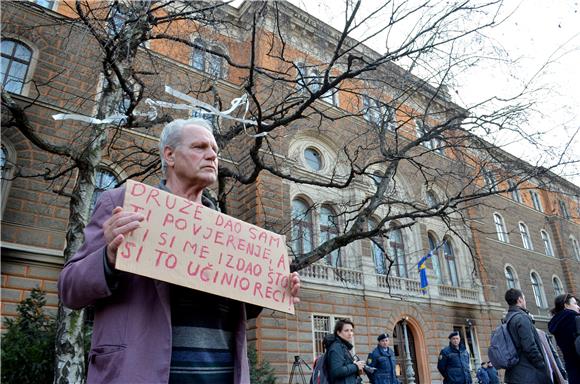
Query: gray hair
x=171 y=135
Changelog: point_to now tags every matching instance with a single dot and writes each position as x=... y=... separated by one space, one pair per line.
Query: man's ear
x=168 y=155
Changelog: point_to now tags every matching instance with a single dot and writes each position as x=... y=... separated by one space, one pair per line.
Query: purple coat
x=131 y=340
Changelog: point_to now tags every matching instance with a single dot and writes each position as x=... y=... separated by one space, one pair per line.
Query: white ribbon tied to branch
x=193 y=105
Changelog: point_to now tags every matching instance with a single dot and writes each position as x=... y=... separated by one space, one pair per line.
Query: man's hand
x=295 y=287
x=115 y=229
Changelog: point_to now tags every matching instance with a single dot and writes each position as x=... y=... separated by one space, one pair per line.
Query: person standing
x=482 y=375
x=382 y=358
x=531 y=367
x=150 y=331
x=454 y=362
x=563 y=327
x=492 y=373
x=342 y=367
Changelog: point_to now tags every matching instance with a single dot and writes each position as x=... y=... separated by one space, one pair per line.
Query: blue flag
x=423 y=271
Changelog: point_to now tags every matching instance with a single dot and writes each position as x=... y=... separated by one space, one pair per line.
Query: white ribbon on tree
x=193 y=105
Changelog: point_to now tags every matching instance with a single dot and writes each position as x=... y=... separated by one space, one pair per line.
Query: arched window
x=451 y=263
x=16 y=59
x=557 y=284
x=313 y=158
x=538 y=289
x=212 y=64
x=547 y=243
x=396 y=249
x=510 y=277
x=7 y=164
x=431 y=199
x=575 y=247
x=329 y=230
x=435 y=258
x=105 y=180
x=500 y=228
x=526 y=239
x=215 y=64
x=301 y=227
x=198 y=55
x=515 y=192
x=378 y=255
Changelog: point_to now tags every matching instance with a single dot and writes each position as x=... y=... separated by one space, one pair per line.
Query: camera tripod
x=297 y=366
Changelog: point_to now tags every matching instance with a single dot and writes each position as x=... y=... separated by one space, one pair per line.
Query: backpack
x=502 y=351
x=320 y=371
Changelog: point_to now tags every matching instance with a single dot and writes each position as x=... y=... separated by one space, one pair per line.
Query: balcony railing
x=324 y=273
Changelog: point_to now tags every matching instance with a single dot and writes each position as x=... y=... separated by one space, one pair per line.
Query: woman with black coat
x=342 y=367
x=563 y=327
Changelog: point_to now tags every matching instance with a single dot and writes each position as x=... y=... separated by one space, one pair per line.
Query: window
x=435 y=258
x=500 y=228
x=329 y=230
x=301 y=227
x=213 y=64
x=515 y=192
x=490 y=181
x=210 y=117
x=536 y=201
x=575 y=248
x=547 y=243
x=378 y=245
x=322 y=325
x=564 y=210
x=538 y=289
x=198 y=56
x=331 y=97
x=526 y=240
x=434 y=143
x=510 y=277
x=45 y=3
x=7 y=165
x=117 y=20
x=431 y=199
x=378 y=113
x=105 y=180
x=451 y=264
x=557 y=284
x=313 y=159
x=396 y=249
x=16 y=58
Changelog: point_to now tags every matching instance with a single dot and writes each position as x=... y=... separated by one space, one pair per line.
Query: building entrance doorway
x=405 y=353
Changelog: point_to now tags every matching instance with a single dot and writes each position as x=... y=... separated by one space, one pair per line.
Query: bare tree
x=387 y=120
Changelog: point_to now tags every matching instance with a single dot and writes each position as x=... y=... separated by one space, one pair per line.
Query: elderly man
x=454 y=362
x=145 y=330
x=382 y=358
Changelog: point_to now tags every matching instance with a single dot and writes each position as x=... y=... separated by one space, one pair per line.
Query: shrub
x=28 y=344
x=260 y=372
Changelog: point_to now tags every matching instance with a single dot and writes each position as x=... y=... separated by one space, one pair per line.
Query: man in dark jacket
x=454 y=362
x=382 y=358
x=482 y=375
x=492 y=373
x=531 y=367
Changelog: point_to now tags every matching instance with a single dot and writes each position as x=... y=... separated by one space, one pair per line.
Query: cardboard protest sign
x=187 y=244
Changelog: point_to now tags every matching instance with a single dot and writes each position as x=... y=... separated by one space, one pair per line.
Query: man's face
x=194 y=161
x=573 y=305
x=522 y=302
x=384 y=343
x=455 y=340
